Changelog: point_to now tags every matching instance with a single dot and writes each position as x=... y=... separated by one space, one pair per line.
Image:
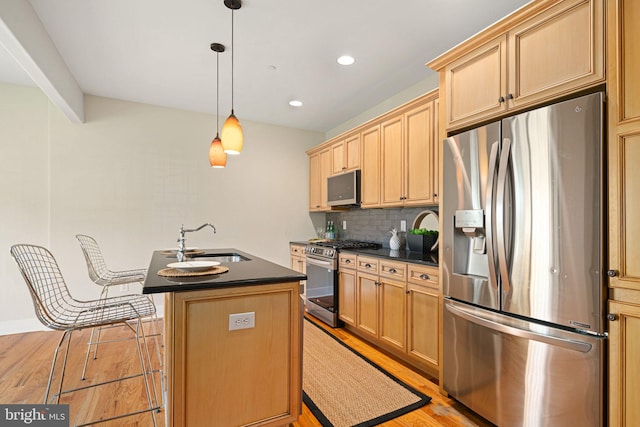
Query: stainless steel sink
x=220 y=257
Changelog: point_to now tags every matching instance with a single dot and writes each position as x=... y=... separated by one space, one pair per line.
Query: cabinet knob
x=407 y=291
x=612 y=273
x=424 y=277
x=367 y=265
x=510 y=96
x=393 y=270
x=377 y=283
x=612 y=317
x=435 y=194
x=501 y=99
x=347 y=261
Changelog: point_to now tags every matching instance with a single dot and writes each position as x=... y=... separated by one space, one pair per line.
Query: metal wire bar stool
x=58 y=310
x=101 y=275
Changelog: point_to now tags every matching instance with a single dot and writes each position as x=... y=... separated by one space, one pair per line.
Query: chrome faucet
x=181 y=247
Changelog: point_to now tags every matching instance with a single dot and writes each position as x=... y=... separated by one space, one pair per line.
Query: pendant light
x=232 y=138
x=217 y=156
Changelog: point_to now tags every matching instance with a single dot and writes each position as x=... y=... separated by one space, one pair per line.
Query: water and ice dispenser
x=469 y=243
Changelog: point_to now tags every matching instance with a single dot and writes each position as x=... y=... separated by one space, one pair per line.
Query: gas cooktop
x=347 y=244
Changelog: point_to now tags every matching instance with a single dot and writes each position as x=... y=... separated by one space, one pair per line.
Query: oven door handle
x=319 y=262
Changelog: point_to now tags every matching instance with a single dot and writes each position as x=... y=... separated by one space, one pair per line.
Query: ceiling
x=158 y=51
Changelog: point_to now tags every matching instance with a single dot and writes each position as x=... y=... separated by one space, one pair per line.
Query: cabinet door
x=338 y=158
x=352 y=152
x=370 y=164
x=347 y=296
x=624 y=143
x=419 y=160
x=314 y=182
x=392 y=148
x=624 y=365
x=367 y=303
x=556 y=52
x=423 y=325
x=476 y=83
x=392 y=313
x=325 y=172
x=437 y=141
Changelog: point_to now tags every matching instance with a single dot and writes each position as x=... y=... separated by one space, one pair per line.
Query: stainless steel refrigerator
x=523 y=258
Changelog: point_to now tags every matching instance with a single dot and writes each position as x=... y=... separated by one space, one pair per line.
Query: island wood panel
x=229 y=378
x=24 y=369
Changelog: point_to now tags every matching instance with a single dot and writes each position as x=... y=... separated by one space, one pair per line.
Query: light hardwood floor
x=25 y=360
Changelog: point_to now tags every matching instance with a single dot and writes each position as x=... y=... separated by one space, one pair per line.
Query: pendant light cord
x=233 y=52
x=217 y=93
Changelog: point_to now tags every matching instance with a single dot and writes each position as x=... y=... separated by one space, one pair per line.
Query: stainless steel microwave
x=344 y=189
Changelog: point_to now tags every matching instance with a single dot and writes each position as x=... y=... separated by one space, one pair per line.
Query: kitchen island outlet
x=223 y=374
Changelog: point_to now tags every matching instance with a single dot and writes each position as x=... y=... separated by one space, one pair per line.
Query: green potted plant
x=421 y=239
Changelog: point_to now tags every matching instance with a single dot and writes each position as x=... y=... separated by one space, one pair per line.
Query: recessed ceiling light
x=346 y=60
x=295 y=103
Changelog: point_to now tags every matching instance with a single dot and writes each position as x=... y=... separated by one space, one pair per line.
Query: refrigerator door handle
x=580 y=346
x=500 y=214
x=493 y=165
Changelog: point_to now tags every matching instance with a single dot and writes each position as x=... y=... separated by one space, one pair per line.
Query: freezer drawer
x=516 y=373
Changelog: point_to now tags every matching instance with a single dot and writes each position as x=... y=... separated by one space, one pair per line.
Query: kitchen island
x=217 y=374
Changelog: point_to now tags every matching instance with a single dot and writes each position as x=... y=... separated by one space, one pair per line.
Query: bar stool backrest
x=49 y=291
x=96 y=265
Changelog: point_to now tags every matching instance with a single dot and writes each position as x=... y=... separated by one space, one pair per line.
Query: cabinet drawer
x=296 y=250
x=422 y=275
x=393 y=270
x=370 y=265
x=347 y=260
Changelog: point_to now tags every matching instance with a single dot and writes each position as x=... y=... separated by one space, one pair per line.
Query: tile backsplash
x=374 y=225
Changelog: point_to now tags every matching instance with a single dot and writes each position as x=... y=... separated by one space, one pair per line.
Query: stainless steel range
x=322 y=277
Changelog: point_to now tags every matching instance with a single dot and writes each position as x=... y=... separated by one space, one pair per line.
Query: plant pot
x=421 y=242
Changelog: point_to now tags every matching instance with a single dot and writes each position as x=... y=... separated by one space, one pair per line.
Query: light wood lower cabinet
x=347 y=288
x=624 y=364
x=394 y=305
x=299 y=263
x=229 y=378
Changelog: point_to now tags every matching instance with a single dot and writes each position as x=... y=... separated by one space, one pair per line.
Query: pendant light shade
x=217 y=156
x=232 y=137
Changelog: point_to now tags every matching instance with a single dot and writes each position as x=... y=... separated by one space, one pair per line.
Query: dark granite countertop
x=254 y=271
x=430 y=258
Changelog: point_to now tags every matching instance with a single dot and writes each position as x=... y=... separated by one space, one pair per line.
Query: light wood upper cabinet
x=407 y=143
x=556 y=51
x=421 y=155
x=319 y=171
x=396 y=153
x=392 y=148
x=541 y=52
x=346 y=154
x=624 y=143
x=476 y=84
x=370 y=167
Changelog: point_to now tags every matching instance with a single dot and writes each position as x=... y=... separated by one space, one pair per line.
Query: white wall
x=130 y=176
x=388 y=104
